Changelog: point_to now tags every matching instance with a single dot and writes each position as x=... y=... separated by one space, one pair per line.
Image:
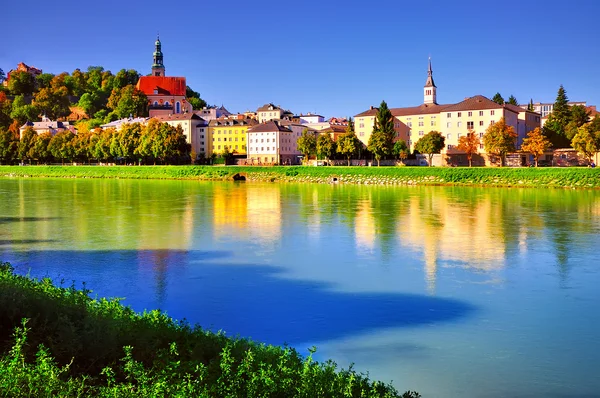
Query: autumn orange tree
x=536 y=144
x=469 y=144
x=499 y=139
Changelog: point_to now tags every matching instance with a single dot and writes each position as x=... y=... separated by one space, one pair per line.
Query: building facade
x=273 y=143
x=230 y=133
x=193 y=126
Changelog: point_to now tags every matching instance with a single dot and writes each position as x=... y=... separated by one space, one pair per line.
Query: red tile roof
x=270 y=126
x=166 y=85
x=475 y=103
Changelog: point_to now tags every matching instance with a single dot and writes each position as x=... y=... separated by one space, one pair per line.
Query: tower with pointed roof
x=158 y=68
x=429 y=91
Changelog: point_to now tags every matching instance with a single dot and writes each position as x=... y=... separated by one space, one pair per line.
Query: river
x=470 y=292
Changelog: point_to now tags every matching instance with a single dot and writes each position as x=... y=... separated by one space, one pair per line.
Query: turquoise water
x=465 y=292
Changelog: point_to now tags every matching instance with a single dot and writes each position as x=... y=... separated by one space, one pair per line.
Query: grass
x=58 y=341
x=463 y=176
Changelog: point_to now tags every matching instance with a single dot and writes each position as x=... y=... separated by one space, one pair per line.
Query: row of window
x=470 y=125
x=230 y=147
x=469 y=114
x=225 y=139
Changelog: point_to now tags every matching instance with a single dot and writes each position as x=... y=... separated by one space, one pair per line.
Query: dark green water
x=465 y=292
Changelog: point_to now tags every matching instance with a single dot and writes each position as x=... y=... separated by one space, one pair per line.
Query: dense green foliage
x=430 y=144
x=57 y=341
x=150 y=143
x=519 y=177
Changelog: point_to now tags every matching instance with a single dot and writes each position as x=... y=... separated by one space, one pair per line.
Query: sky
x=327 y=57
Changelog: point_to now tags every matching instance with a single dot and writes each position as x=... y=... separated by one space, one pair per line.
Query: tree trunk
x=431 y=160
x=536 y=161
x=348 y=160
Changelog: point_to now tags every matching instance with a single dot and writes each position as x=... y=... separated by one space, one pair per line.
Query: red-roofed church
x=166 y=94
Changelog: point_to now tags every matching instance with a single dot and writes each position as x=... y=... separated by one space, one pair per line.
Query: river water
x=470 y=292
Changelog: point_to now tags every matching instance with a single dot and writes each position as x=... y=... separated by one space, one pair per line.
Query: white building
x=273 y=143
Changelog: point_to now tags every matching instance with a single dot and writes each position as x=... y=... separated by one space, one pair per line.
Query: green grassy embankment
x=514 y=177
x=74 y=346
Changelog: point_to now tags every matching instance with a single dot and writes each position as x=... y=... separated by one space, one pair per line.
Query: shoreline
x=570 y=178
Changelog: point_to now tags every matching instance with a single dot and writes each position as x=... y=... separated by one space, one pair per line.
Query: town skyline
x=326 y=64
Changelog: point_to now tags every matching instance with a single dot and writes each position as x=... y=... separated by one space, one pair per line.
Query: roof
x=232 y=122
x=268 y=107
x=118 y=123
x=423 y=109
x=166 y=85
x=268 y=127
x=518 y=109
x=44 y=125
x=477 y=102
x=177 y=116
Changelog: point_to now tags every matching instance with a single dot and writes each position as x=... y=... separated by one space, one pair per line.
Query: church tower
x=430 y=96
x=158 y=69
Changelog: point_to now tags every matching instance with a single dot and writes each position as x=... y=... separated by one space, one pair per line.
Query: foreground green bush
x=550 y=177
x=57 y=341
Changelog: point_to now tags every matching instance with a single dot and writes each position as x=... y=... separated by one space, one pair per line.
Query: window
x=459 y=135
x=448 y=115
x=201 y=135
x=470 y=114
x=177 y=107
x=219 y=147
x=459 y=124
x=459 y=114
x=470 y=125
x=432 y=122
x=449 y=136
x=361 y=125
x=219 y=139
x=492 y=112
x=155 y=103
x=481 y=122
x=361 y=134
x=480 y=135
x=450 y=146
x=480 y=146
x=480 y=113
x=448 y=125
x=201 y=142
x=420 y=123
x=421 y=133
x=409 y=124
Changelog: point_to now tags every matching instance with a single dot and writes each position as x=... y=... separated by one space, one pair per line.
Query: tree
x=379 y=145
x=469 y=144
x=579 y=115
x=23 y=112
x=2 y=76
x=5 y=110
x=61 y=146
x=585 y=142
x=307 y=144
x=44 y=80
x=39 y=150
x=512 y=100
x=53 y=102
x=27 y=141
x=21 y=83
x=348 y=145
x=530 y=107
x=561 y=109
x=128 y=101
x=497 y=98
x=430 y=144
x=400 y=150
x=125 y=77
x=325 y=146
x=8 y=146
x=193 y=98
x=499 y=139
x=125 y=141
x=89 y=102
x=381 y=141
x=536 y=143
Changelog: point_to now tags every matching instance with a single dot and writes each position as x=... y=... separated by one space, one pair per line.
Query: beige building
x=230 y=133
x=452 y=120
x=272 y=112
x=273 y=143
x=45 y=126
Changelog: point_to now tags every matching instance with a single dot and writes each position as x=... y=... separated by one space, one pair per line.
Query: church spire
x=430 y=95
x=158 y=68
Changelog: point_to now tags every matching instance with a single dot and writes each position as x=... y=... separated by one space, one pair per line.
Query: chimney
x=371 y=108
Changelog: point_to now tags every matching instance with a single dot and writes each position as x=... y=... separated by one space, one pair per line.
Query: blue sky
x=332 y=58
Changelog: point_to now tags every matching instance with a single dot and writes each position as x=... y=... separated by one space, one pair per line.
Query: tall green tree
x=430 y=144
x=530 y=107
x=512 y=100
x=26 y=143
x=497 y=98
x=379 y=145
x=39 y=150
x=2 y=76
x=348 y=145
x=381 y=141
x=23 y=112
x=579 y=115
x=21 y=83
x=8 y=146
x=561 y=109
x=500 y=139
x=536 y=144
x=307 y=144
x=61 y=146
x=325 y=146
x=193 y=98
